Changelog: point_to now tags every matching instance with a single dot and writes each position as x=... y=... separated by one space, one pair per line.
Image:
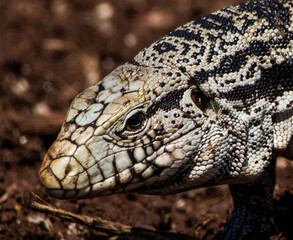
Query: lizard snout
x=60 y=175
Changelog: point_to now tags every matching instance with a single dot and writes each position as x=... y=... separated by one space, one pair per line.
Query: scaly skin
x=208 y=104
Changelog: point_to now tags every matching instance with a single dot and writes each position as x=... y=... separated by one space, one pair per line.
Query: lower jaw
x=67 y=194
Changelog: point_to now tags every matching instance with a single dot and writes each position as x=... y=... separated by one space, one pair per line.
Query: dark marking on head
x=131 y=156
x=163 y=47
x=171 y=101
x=272 y=83
x=186 y=35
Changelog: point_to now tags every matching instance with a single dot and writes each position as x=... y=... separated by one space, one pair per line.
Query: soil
x=50 y=51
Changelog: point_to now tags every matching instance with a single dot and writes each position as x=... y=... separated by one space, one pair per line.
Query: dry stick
x=96 y=223
x=109 y=227
x=4 y=197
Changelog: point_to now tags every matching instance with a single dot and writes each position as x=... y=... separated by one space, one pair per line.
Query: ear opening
x=201 y=101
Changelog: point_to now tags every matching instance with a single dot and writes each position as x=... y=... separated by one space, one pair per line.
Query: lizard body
x=210 y=103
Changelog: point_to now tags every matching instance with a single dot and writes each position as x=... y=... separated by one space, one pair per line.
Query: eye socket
x=135 y=121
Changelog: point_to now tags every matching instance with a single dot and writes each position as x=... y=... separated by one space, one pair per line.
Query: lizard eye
x=135 y=121
x=133 y=125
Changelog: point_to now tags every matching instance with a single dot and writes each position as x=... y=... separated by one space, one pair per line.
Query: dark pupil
x=135 y=121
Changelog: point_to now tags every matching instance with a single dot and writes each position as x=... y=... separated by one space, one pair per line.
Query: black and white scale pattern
x=210 y=103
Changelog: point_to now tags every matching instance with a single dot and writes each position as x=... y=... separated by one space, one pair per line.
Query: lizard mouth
x=166 y=187
x=158 y=183
x=68 y=194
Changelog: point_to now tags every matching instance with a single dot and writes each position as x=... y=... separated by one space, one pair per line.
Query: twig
x=4 y=197
x=112 y=228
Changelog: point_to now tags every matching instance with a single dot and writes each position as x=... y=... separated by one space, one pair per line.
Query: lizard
x=210 y=103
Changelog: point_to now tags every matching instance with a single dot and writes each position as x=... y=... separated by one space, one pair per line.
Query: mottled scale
x=211 y=103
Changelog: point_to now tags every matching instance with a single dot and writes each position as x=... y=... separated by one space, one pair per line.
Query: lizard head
x=138 y=127
x=152 y=130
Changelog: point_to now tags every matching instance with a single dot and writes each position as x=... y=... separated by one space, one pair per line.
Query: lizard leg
x=253 y=216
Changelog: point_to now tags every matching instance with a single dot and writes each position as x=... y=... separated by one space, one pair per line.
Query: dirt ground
x=49 y=51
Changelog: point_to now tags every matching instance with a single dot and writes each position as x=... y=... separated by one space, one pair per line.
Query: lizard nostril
x=68 y=169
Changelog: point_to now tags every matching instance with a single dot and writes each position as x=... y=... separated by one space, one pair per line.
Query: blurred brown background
x=50 y=50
